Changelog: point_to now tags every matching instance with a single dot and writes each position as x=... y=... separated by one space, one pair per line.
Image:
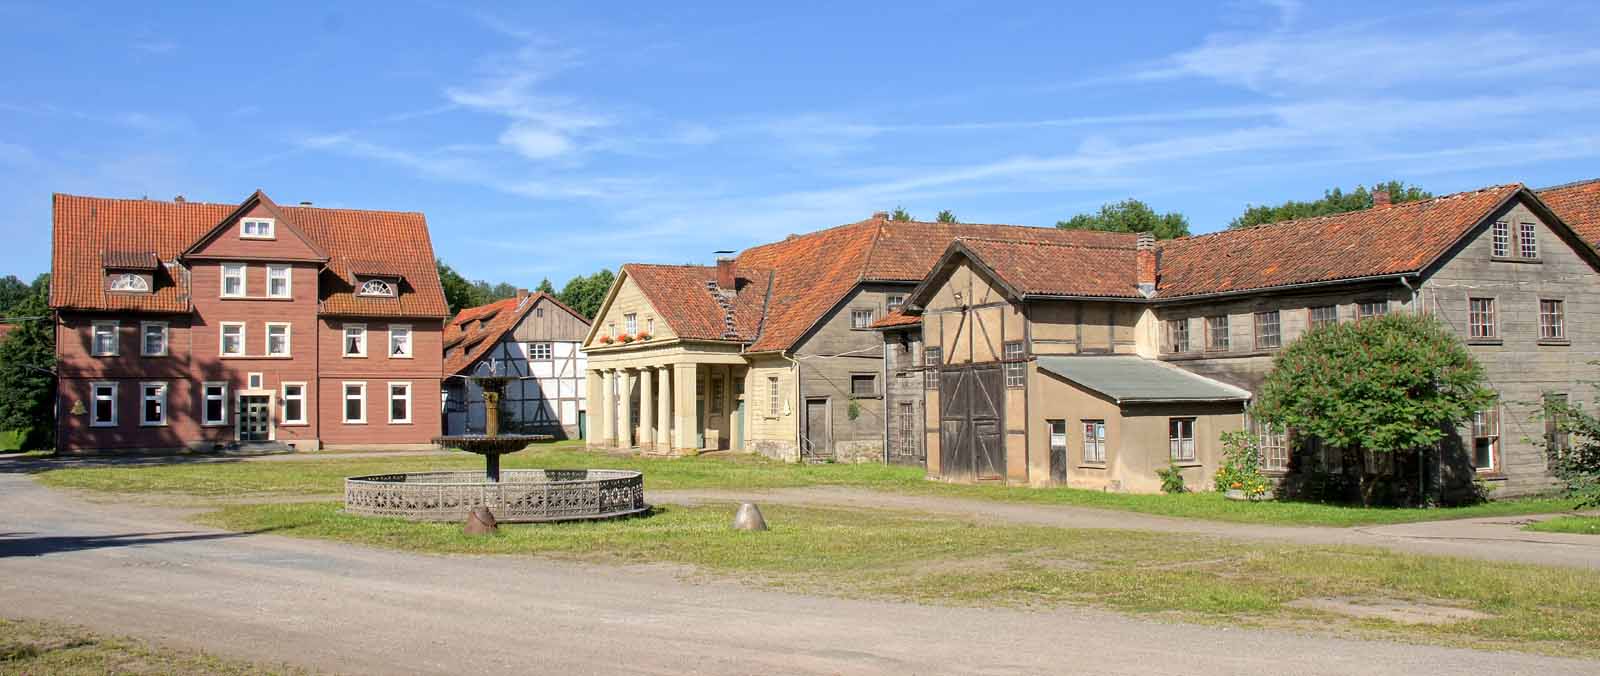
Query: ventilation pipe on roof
x=1145 y=257
x=305 y=203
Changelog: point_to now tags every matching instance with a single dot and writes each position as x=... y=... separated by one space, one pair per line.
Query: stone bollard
x=749 y=518
x=481 y=522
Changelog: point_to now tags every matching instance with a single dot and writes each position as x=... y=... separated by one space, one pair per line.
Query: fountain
x=512 y=496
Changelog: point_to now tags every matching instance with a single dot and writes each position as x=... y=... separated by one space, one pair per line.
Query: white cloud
x=540 y=126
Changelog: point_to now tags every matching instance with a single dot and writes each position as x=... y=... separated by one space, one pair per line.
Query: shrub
x=1241 y=465
x=1578 y=464
x=1172 y=478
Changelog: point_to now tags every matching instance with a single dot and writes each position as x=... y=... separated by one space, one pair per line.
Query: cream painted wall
x=764 y=425
x=629 y=298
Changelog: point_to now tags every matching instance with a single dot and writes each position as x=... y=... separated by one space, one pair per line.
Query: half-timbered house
x=533 y=338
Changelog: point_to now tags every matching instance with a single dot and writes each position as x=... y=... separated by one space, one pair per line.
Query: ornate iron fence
x=522 y=495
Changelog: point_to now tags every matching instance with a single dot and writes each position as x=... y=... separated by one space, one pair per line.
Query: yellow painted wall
x=629 y=298
x=764 y=425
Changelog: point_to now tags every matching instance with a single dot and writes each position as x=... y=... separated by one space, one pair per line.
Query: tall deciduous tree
x=27 y=369
x=458 y=292
x=1130 y=215
x=12 y=292
x=585 y=293
x=1377 y=386
x=1334 y=201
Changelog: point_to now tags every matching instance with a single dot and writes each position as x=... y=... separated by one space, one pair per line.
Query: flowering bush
x=643 y=336
x=1241 y=465
x=607 y=340
x=625 y=338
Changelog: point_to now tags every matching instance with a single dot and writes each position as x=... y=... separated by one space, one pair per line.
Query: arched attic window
x=377 y=287
x=130 y=282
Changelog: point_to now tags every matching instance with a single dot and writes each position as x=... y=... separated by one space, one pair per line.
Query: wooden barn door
x=971 y=430
x=815 y=444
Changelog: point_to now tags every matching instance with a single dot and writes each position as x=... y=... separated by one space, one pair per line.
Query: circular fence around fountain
x=521 y=495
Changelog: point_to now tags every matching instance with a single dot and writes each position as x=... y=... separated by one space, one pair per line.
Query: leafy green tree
x=900 y=214
x=1130 y=215
x=1574 y=454
x=12 y=292
x=1384 y=385
x=27 y=369
x=585 y=293
x=458 y=292
x=947 y=216
x=546 y=287
x=1334 y=201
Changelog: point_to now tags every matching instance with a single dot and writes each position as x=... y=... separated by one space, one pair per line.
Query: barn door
x=971 y=437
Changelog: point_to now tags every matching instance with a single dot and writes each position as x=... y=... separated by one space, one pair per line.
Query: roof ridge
x=1345 y=214
x=1569 y=184
x=792 y=238
x=1075 y=245
x=189 y=202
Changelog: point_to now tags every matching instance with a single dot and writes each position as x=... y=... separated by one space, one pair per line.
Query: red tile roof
x=86 y=227
x=129 y=260
x=1578 y=204
x=896 y=319
x=470 y=334
x=1398 y=239
x=683 y=296
x=1042 y=269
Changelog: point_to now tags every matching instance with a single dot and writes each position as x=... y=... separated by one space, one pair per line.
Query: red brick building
x=190 y=325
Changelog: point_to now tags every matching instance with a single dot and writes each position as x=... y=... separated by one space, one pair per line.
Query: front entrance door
x=970 y=438
x=254 y=417
x=816 y=444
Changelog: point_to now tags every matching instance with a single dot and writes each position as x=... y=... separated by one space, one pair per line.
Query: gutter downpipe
x=1438 y=461
x=799 y=439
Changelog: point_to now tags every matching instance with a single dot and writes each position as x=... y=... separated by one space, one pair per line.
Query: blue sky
x=557 y=139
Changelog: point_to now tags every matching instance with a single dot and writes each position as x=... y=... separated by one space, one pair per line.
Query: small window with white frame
x=539 y=351
x=774 y=398
x=1058 y=436
x=355 y=403
x=255 y=380
x=860 y=318
x=1180 y=439
x=1274 y=448
x=232 y=339
x=1552 y=319
x=279 y=278
x=233 y=280
x=256 y=227
x=1486 y=439
x=1094 y=442
x=932 y=359
x=103 y=339
x=399 y=403
x=103 y=404
x=380 y=288
x=1500 y=239
x=294 y=403
x=894 y=301
x=1481 y=318
x=153 y=339
x=1528 y=240
x=355 y=340
x=399 y=341
x=630 y=323
x=153 y=404
x=1016 y=368
x=278 y=338
x=214 y=404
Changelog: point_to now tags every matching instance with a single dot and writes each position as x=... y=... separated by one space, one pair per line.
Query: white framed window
x=1528 y=240
x=1501 y=239
x=1094 y=441
x=1368 y=309
x=256 y=227
x=355 y=340
x=630 y=323
x=932 y=359
x=1323 y=315
x=279 y=279
x=650 y=326
x=540 y=351
x=774 y=401
x=1016 y=368
x=103 y=404
x=908 y=428
x=153 y=339
x=232 y=339
x=399 y=403
x=1486 y=439
x=233 y=280
x=294 y=404
x=278 y=339
x=355 y=402
x=1268 y=334
x=377 y=287
x=860 y=318
x=1552 y=320
x=255 y=381
x=399 y=341
x=1177 y=336
x=153 y=404
x=103 y=339
x=1481 y=320
x=894 y=300
x=130 y=283
x=1180 y=438
x=1217 y=337
x=214 y=407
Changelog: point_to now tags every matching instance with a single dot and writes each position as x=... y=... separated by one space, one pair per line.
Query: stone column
x=685 y=418
x=607 y=407
x=625 y=409
x=647 y=404
x=664 y=409
x=592 y=396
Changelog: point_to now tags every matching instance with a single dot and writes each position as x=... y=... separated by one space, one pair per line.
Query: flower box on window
x=607 y=340
x=625 y=338
x=642 y=336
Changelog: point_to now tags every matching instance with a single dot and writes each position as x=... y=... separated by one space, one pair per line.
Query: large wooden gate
x=971 y=427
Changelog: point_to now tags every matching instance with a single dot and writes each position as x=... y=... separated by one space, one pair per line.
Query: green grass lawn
x=1582 y=525
x=877 y=554
x=318 y=477
x=32 y=647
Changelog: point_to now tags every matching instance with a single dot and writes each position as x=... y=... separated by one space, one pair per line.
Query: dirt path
x=140 y=570
x=1497 y=538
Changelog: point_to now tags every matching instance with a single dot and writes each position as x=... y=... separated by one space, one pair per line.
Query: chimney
x=178 y=198
x=1145 y=258
x=522 y=295
x=1380 y=199
x=725 y=279
x=880 y=215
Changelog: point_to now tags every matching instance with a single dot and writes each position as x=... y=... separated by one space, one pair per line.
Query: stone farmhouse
x=1096 y=364
x=769 y=351
x=183 y=325
x=534 y=338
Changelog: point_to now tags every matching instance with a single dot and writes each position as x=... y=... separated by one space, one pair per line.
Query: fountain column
x=608 y=407
x=647 y=404
x=664 y=409
x=625 y=409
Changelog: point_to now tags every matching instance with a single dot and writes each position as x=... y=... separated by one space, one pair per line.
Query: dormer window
x=255 y=228
x=381 y=288
x=129 y=282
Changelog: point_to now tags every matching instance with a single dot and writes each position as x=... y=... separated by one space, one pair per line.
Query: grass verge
x=312 y=476
x=1582 y=525
x=952 y=561
x=33 y=647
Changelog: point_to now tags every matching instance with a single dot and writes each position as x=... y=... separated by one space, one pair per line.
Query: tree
x=1574 y=451
x=12 y=292
x=1130 y=215
x=900 y=214
x=1333 y=201
x=546 y=287
x=585 y=293
x=947 y=216
x=1378 y=386
x=458 y=292
x=27 y=369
